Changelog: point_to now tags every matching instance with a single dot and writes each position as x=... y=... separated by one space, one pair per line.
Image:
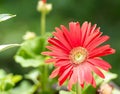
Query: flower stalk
x=78 y=89
x=45 y=75
x=44 y=8
x=44 y=78
x=43 y=23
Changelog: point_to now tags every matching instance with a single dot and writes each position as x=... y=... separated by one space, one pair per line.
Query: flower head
x=76 y=53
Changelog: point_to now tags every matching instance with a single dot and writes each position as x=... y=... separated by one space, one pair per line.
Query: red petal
x=67 y=35
x=57 y=43
x=93 y=82
x=46 y=53
x=61 y=62
x=101 y=51
x=64 y=75
x=100 y=63
x=87 y=74
x=96 y=42
x=81 y=75
x=55 y=73
x=73 y=80
x=91 y=37
x=84 y=30
x=61 y=38
x=97 y=71
x=56 y=55
x=51 y=60
x=56 y=49
x=88 y=31
x=93 y=29
x=75 y=33
x=107 y=52
x=82 y=85
x=72 y=26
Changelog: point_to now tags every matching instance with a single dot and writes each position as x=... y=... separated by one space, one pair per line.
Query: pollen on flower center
x=78 y=55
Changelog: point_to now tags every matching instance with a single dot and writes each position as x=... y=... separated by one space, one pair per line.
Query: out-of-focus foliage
x=30 y=52
x=24 y=88
x=66 y=92
x=8 y=81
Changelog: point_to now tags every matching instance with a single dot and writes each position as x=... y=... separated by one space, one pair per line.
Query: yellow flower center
x=78 y=55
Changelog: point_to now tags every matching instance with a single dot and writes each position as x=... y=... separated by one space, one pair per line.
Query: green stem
x=78 y=89
x=45 y=78
x=43 y=22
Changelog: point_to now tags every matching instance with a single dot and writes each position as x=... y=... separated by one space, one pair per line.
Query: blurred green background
x=106 y=13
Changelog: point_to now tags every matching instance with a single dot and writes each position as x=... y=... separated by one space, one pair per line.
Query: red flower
x=76 y=53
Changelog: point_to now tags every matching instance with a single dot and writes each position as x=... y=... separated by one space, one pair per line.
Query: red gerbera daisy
x=76 y=53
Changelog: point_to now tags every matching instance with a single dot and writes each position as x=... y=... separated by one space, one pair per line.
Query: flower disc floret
x=78 y=55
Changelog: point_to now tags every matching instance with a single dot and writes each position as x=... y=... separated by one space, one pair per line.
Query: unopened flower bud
x=44 y=1
x=44 y=7
x=29 y=35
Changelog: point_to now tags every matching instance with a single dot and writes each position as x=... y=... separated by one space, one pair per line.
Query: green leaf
x=16 y=78
x=109 y=76
x=8 y=85
x=33 y=75
x=30 y=62
x=2 y=73
x=8 y=81
x=4 y=17
x=29 y=54
x=24 y=88
x=7 y=46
